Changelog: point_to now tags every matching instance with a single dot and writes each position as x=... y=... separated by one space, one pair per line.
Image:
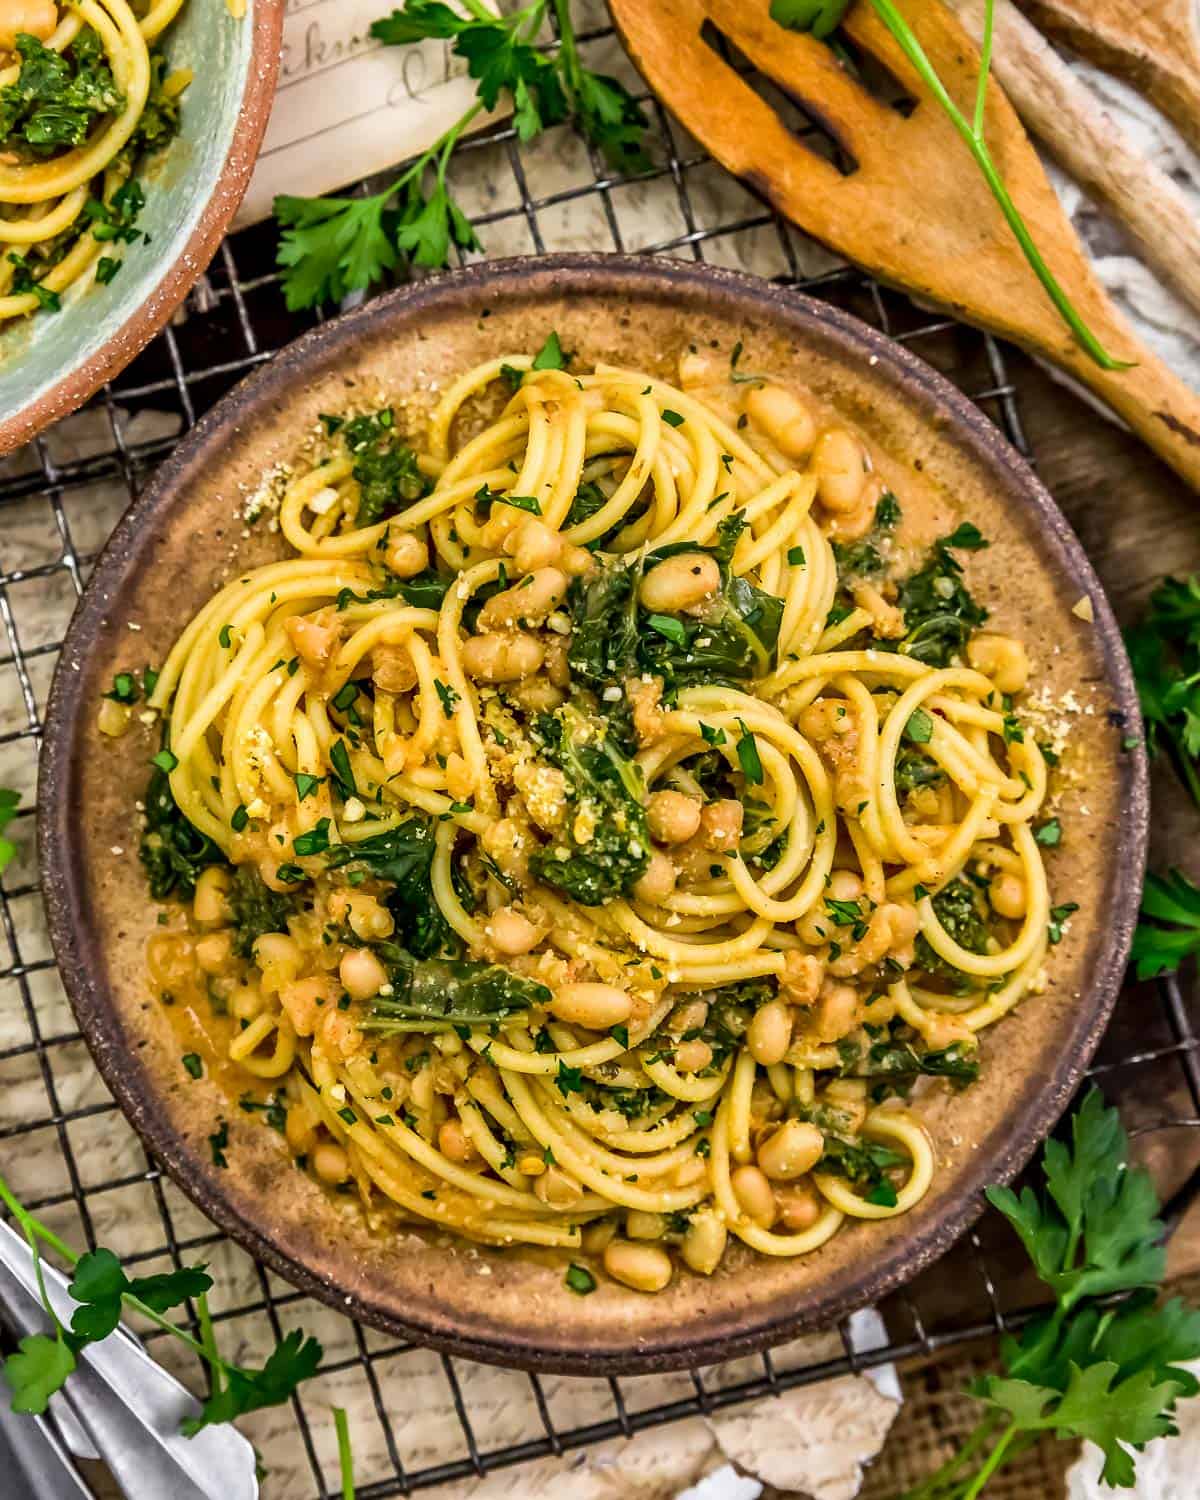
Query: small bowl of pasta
x=616 y=821
x=128 y=130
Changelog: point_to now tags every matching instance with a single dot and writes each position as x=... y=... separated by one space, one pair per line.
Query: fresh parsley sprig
x=1105 y=1363
x=823 y=17
x=331 y=246
x=1164 y=650
x=43 y=1363
x=1169 y=930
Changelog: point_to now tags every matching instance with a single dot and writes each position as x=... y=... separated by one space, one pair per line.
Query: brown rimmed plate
x=50 y=363
x=186 y=535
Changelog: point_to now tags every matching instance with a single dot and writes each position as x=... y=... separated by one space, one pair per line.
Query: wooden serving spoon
x=913 y=208
x=1152 y=44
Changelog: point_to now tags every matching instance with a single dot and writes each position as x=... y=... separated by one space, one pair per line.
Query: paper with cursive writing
x=348 y=106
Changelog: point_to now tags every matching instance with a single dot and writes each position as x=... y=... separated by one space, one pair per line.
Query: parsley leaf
x=1169 y=930
x=332 y=246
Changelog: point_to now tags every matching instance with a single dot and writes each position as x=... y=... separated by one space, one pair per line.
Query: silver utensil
x=120 y=1405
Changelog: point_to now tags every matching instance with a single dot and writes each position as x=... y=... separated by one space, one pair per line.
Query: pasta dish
x=84 y=93
x=601 y=822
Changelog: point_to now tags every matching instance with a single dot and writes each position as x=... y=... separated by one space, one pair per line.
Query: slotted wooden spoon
x=1152 y=44
x=915 y=210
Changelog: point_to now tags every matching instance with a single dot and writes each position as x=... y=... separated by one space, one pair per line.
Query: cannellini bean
x=214 y=952
x=673 y=817
x=279 y=958
x=596 y=1006
x=721 y=825
x=595 y=1238
x=704 y=1241
x=680 y=582
x=836 y=1011
x=770 y=1033
x=502 y=658
x=688 y=1015
x=657 y=880
x=844 y=885
x=799 y=1206
x=1008 y=896
x=454 y=1142
x=645 y=1268
x=368 y=917
x=210 y=904
x=1001 y=658
x=557 y=1189
x=406 y=555
x=300 y=1129
x=801 y=979
x=362 y=974
x=533 y=545
x=791 y=1151
x=305 y=999
x=536 y=596
x=838 y=463
x=753 y=1193
x=330 y=1163
x=37 y=17
x=245 y=1002
x=691 y=1057
x=782 y=417
x=642 y=1225
x=511 y=931
x=315 y=637
x=392 y=668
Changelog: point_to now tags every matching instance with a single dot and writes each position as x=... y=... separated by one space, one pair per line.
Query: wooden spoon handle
x=1159 y=407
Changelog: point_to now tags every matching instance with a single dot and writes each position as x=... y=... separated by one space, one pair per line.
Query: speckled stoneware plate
x=185 y=536
x=52 y=362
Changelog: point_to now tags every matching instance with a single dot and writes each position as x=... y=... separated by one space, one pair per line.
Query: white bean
x=596 y=1006
x=502 y=658
x=680 y=582
x=645 y=1268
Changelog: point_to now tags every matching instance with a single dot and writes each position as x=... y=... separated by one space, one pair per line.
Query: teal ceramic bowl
x=50 y=363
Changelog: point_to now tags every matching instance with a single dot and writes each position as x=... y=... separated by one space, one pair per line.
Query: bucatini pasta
x=600 y=821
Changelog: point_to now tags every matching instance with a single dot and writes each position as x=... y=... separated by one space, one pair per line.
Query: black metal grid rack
x=62 y=1144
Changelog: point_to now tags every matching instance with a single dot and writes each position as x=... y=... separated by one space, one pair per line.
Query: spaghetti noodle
x=603 y=818
x=84 y=93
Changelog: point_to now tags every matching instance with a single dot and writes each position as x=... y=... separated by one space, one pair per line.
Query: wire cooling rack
x=63 y=1145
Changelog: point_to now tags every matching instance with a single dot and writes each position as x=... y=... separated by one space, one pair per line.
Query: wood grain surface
x=902 y=196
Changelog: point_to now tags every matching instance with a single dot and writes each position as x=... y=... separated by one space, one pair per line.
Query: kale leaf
x=957 y=908
x=732 y=640
x=256 y=909
x=916 y=769
x=436 y=994
x=386 y=469
x=57 y=96
x=939 y=611
x=172 y=849
x=604 y=790
x=403 y=858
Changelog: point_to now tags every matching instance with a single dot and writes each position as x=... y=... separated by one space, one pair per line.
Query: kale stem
x=978 y=148
x=993 y=1461
x=345 y=1455
x=940 y=1478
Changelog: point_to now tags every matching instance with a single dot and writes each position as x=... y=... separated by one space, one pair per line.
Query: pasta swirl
x=603 y=818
